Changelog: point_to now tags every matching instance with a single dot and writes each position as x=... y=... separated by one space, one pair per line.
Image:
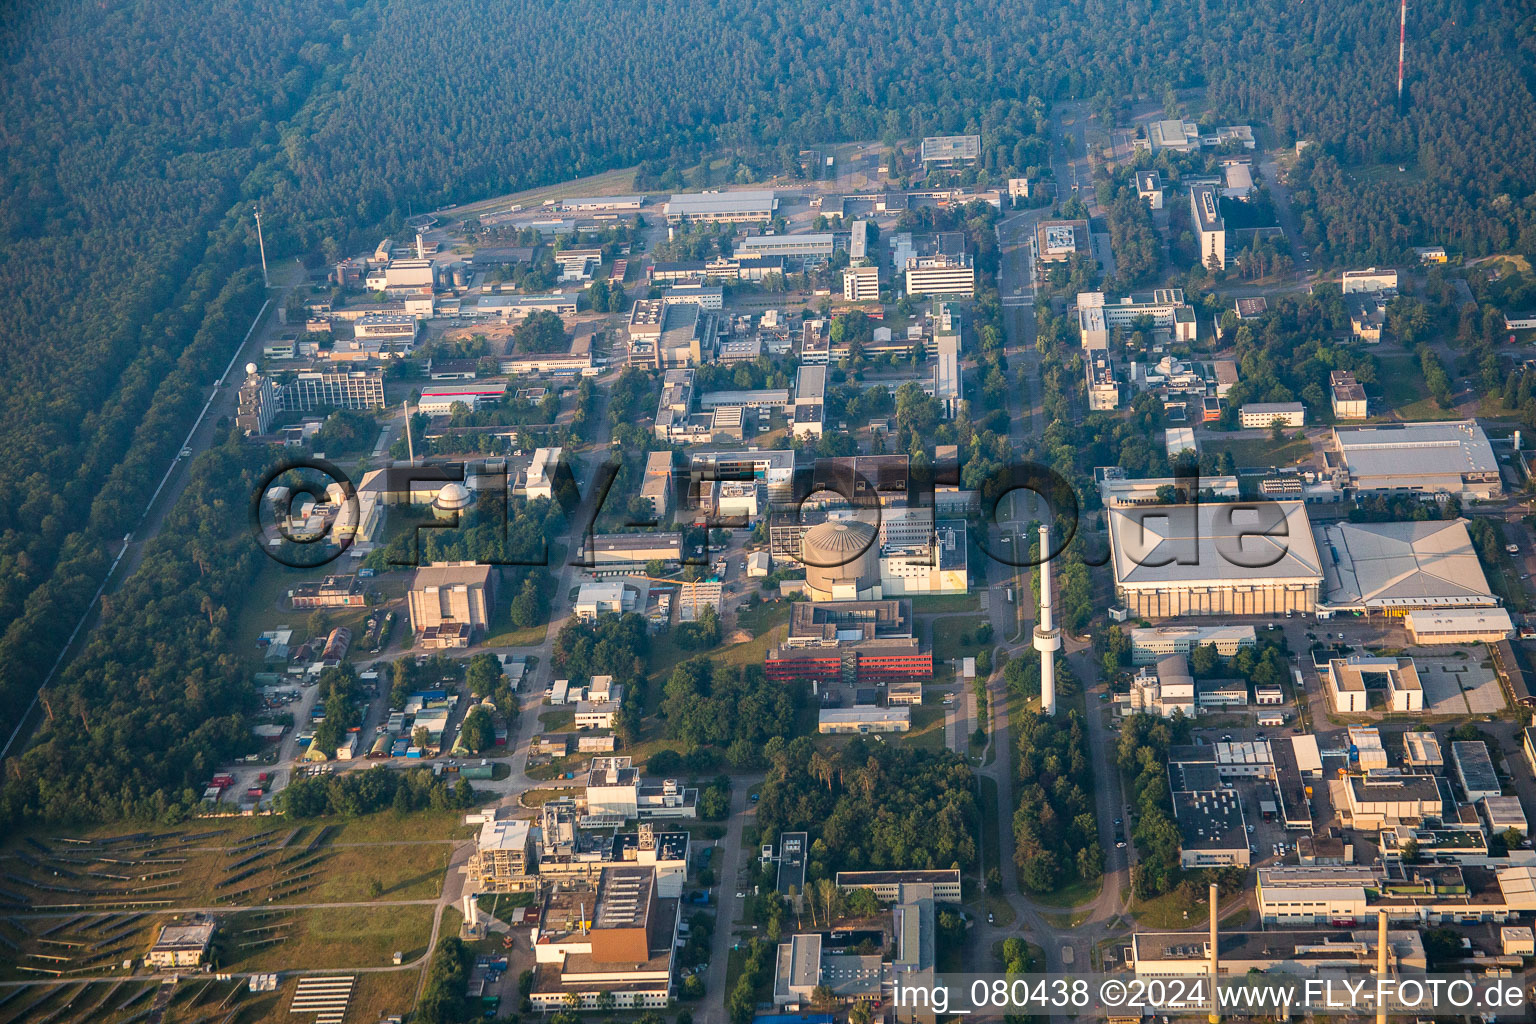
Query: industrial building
x=1459 y=626
x=1211 y=229
x=1214 y=559
x=1394 y=568
x=1212 y=828
x=1449 y=457
x=948 y=381
x=594 y=600
x=851 y=642
x=615 y=794
x=447 y=594
x=743 y=207
x=503 y=857
x=1474 y=770
x=1179 y=135
x=605 y=944
x=1331 y=954
x=608 y=552
x=1414 y=895
x=1165 y=688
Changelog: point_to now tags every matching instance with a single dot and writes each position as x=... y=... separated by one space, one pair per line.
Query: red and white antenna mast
x=1402 y=38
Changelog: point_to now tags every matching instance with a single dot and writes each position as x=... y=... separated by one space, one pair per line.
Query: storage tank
x=842 y=561
x=460 y=276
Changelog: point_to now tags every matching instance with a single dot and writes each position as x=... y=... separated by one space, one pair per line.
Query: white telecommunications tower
x=1047 y=636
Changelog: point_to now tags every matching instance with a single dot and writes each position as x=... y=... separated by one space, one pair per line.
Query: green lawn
x=1168 y=911
x=949 y=634
x=1074 y=894
x=927 y=730
x=1404 y=393
x=934 y=604
x=1260 y=452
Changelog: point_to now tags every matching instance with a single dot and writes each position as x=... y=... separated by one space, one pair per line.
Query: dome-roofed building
x=452 y=500
x=842 y=562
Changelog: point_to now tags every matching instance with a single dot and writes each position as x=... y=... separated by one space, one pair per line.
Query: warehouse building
x=1474 y=770
x=1459 y=626
x=1395 y=568
x=1388 y=798
x=1214 y=559
x=1450 y=457
x=744 y=207
x=623 y=552
x=1212 y=829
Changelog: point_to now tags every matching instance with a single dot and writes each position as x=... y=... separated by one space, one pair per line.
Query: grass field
x=1169 y=910
x=1074 y=894
x=927 y=732
x=936 y=604
x=1404 y=393
x=950 y=636
x=327 y=937
x=1260 y=453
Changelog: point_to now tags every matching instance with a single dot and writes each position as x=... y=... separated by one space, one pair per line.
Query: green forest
x=138 y=137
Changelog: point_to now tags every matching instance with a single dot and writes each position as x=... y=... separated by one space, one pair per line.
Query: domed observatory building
x=451 y=501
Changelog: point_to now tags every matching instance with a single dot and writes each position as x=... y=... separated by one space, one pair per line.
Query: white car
x=186 y=453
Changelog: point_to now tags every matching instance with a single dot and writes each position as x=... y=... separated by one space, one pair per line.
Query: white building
x=598 y=599
x=541 y=473
x=1149 y=644
x=941 y=274
x=847 y=721
x=1097 y=315
x=1211 y=229
x=861 y=284
x=1262 y=415
x=743 y=207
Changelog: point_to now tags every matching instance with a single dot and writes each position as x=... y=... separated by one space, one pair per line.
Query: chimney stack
x=1047 y=636
x=1214 y=1016
x=1381 y=958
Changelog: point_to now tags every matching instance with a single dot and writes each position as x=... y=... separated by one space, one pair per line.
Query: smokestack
x=1381 y=958
x=1214 y=1017
x=421 y=245
x=410 y=446
x=1402 y=39
x=1047 y=636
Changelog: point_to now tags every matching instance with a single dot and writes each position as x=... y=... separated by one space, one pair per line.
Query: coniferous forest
x=136 y=137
